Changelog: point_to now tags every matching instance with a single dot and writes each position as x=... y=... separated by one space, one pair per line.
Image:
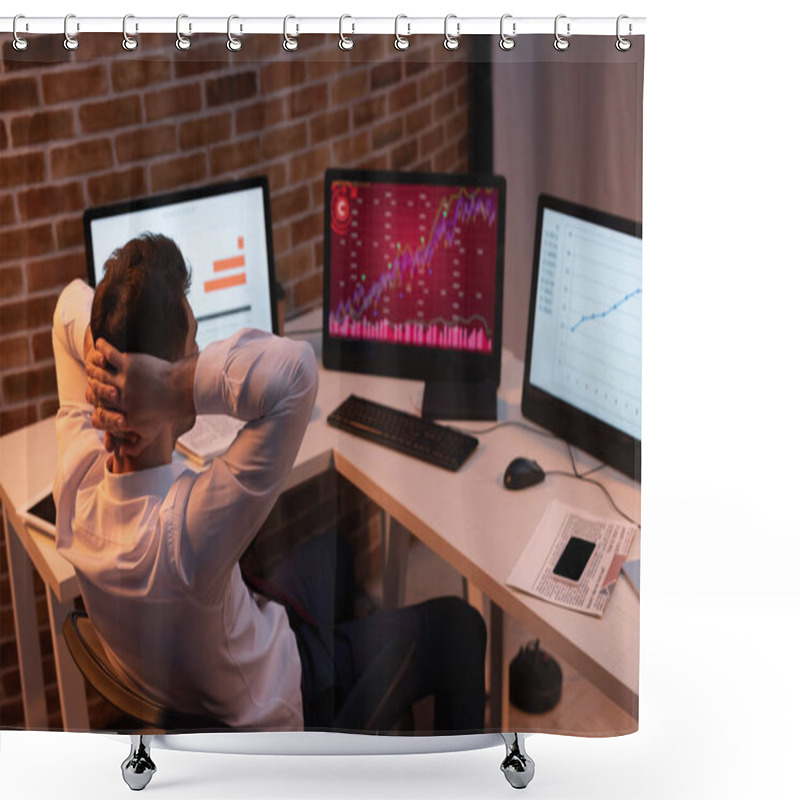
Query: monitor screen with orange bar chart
x=224 y=233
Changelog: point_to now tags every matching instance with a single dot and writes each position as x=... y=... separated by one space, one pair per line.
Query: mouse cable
x=581 y=476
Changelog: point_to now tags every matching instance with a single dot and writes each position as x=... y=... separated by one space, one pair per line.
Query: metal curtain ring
x=289 y=42
x=345 y=42
x=401 y=42
x=182 y=43
x=451 y=42
x=507 y=42
x=70 y=42
x=560 y=42
x=19 y=43
x=234 y=44
x=623 y=45
x=128 y=42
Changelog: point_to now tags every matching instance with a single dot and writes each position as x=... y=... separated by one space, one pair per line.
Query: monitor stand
x=452 y=400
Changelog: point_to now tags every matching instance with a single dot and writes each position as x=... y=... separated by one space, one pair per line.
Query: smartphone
x=573 y=559
x=42 y=514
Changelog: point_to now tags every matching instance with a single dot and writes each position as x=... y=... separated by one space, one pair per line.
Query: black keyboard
x=406 y=433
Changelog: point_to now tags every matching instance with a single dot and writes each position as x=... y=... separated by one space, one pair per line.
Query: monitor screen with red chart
x=413 y=274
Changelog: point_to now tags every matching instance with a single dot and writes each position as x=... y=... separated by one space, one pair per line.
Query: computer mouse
x=522 y=473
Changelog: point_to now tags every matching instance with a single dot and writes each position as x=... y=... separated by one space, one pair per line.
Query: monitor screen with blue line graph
x=584 y=346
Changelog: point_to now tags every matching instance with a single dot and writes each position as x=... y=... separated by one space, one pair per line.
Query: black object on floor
x=535 y=680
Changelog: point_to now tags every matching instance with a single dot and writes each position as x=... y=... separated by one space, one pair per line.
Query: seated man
x=156 y=546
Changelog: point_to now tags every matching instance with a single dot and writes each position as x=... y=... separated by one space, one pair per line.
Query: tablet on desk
x=41 y=513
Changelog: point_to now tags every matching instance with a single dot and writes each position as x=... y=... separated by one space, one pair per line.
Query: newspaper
x=590 y=593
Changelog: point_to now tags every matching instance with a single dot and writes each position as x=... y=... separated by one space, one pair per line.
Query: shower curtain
x=101 y=125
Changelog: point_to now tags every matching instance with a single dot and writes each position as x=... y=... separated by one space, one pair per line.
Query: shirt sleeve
x=271 y=383
x=70 y=321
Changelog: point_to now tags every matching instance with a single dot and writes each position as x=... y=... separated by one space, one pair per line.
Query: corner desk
x=468 y=518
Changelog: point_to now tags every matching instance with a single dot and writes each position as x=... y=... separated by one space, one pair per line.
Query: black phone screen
x=45 y=509
x=574 y=558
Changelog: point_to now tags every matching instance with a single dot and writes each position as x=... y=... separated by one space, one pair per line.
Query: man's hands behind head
x=136 y=395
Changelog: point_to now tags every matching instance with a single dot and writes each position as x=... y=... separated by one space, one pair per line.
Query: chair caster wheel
x=138 y=768
x=517 y=766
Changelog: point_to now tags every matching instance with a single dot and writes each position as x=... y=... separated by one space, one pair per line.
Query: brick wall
x=100 y=125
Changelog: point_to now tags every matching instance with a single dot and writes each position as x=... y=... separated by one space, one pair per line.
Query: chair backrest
x=89 y=655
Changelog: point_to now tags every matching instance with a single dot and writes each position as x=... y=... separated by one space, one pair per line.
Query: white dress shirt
x=156 y=551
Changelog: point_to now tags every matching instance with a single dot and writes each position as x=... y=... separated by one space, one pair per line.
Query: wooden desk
x=467 y=517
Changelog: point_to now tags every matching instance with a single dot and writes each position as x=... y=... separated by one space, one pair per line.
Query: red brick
x=113 y=186
x=42 y=344
x=69 y=233
x=306 y=229
x=403 y=97
x=44 y=126
x=35 y=312
x=14 y=352
x=323 y=68
x=347 y=88
x=431 y=83
x=49 y=408
x=295 y=264
x=21 y=170
x=11 y=420
x=387 y=133
x=307 y=291
x=351 y=149
x=199 y=59
x=385 y=75
x=3 y=136
x=368 y=111
x=404 y=155
x=418 y=119
x=44 y=51
x=139 y=145
x=279 y=75
x=259 y=116
x=47 y=201
x=19 y=243
x=289 y=204
x=178 y=172
x=17 y=94
x=80 y=158
x=50 y=273
x=66 y=86
x=10 y=281
x=310 y=164
x=306 y=100
x=8 y=214
x=137 y=73
x=419 y=63
x=21 y=386
x=231 y=88
x=172 y=102
x=234 y=156
x=108 y=114
x=444 y=106
x=277 y=142
x=329 y=126
x=432 y=140
x=277 y=175
x=281 y=239
x=205 y=131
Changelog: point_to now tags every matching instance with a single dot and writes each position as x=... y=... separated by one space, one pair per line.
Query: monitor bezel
x=181 y=196
x=414 y=362
x=607 y=443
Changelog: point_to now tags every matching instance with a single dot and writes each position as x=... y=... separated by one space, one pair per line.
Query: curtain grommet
x=128 y=42
x=233 y=44
x=70 y=42
x=622 y=44
x=401 y=42
x=19 y=44
x=290 y=43
x=507 y=42
x=345 y=42
x=182 y=42
x=561 y=43
x=451 y=42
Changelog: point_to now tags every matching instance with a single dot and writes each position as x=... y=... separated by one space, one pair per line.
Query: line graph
x=603 y=314
x=414 y=264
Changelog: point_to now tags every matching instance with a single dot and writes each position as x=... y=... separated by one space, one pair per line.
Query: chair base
x=139 y=767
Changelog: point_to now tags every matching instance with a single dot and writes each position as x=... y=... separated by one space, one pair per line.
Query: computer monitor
x=413 y=283
x=583 y=362
x=225 y=235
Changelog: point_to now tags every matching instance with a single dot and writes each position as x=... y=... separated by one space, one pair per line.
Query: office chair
x=370 y=706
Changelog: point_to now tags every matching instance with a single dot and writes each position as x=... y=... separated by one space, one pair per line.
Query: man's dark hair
x=138 y=306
